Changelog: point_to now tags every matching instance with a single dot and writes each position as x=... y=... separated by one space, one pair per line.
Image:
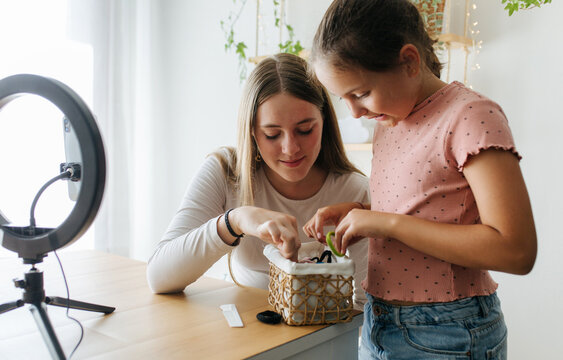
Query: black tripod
x=34 y=294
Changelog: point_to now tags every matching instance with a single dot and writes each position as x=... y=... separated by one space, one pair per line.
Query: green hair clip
x=329 y=236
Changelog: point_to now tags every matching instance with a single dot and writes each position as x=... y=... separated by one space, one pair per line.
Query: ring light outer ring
x=93 y=165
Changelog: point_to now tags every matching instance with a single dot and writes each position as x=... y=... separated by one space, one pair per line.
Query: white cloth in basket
x=339 y=265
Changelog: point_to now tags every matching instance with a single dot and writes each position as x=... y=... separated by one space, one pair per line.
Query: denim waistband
x=433 y=313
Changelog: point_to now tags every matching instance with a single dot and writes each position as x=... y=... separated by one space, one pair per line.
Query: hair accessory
x=269 y=317
x=237 y=241
x=326 y=254
x=329 y=236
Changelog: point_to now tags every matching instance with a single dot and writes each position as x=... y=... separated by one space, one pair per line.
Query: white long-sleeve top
x=191 y=244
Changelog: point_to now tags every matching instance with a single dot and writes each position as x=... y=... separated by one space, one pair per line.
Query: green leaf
x=240 y=49
x=514 y=5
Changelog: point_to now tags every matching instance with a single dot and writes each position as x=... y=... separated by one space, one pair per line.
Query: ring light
x=33 y=243
x=33 y=246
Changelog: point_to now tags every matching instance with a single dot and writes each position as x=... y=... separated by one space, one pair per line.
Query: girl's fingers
x=337 y=242
x=341 y=234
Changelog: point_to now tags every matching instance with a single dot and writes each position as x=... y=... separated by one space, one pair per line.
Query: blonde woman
x=288 y=163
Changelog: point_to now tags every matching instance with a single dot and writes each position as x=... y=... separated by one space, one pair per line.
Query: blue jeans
x=471 y=328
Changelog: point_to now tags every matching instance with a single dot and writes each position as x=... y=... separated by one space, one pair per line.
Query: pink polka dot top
x=417 y=170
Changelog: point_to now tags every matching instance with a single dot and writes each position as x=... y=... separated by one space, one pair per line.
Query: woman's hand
x=271 y=227
x=328 y=215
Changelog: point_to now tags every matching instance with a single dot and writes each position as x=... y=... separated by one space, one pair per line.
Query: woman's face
x=288 y=133
x=387 y=97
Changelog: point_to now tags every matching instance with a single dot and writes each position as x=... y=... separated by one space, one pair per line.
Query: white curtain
x=121 y=33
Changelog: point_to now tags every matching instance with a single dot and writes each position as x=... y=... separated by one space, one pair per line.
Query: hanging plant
x=515 y=5
x=228 y=27
x=291 y=45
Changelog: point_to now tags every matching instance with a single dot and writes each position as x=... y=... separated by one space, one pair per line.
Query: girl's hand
x=271 y=227
x=357 y=225
x=328 y=215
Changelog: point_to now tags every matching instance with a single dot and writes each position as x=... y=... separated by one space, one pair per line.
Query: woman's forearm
x=178 y=262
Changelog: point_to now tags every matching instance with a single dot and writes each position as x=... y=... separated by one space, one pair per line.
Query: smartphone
x=72 y=155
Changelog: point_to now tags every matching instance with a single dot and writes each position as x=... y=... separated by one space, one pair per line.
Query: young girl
x=448 y=201
x=289 y=162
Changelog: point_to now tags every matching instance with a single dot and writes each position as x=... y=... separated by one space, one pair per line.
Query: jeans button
x=377 y=310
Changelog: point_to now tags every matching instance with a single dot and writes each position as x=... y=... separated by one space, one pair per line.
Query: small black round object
x=269 y=317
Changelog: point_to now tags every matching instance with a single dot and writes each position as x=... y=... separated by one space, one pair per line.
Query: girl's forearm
x=475 y=246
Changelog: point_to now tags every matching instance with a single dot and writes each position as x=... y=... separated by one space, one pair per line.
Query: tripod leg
x=11 y=306
x=74 y=304
x=39 y=313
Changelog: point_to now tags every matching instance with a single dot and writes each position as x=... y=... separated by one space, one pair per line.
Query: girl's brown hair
x=370 y=33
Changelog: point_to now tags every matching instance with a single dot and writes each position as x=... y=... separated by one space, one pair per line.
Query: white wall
x=200 y=85
x=520 y=68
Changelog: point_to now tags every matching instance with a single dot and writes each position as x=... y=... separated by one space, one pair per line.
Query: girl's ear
x=410 y=57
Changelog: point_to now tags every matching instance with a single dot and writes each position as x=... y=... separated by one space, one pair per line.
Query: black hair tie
x=269 y=317
x=326 y=254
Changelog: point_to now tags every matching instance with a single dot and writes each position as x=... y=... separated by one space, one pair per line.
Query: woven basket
x=311 y=294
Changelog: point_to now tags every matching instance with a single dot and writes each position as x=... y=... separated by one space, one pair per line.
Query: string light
x=477 y=44
x=460 y=13
x=469 y=45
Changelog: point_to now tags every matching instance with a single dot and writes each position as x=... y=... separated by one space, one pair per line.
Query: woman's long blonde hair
x=280 y=73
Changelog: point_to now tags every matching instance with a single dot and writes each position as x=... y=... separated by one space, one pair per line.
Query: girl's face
x=288 y=133
x=387 y=97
